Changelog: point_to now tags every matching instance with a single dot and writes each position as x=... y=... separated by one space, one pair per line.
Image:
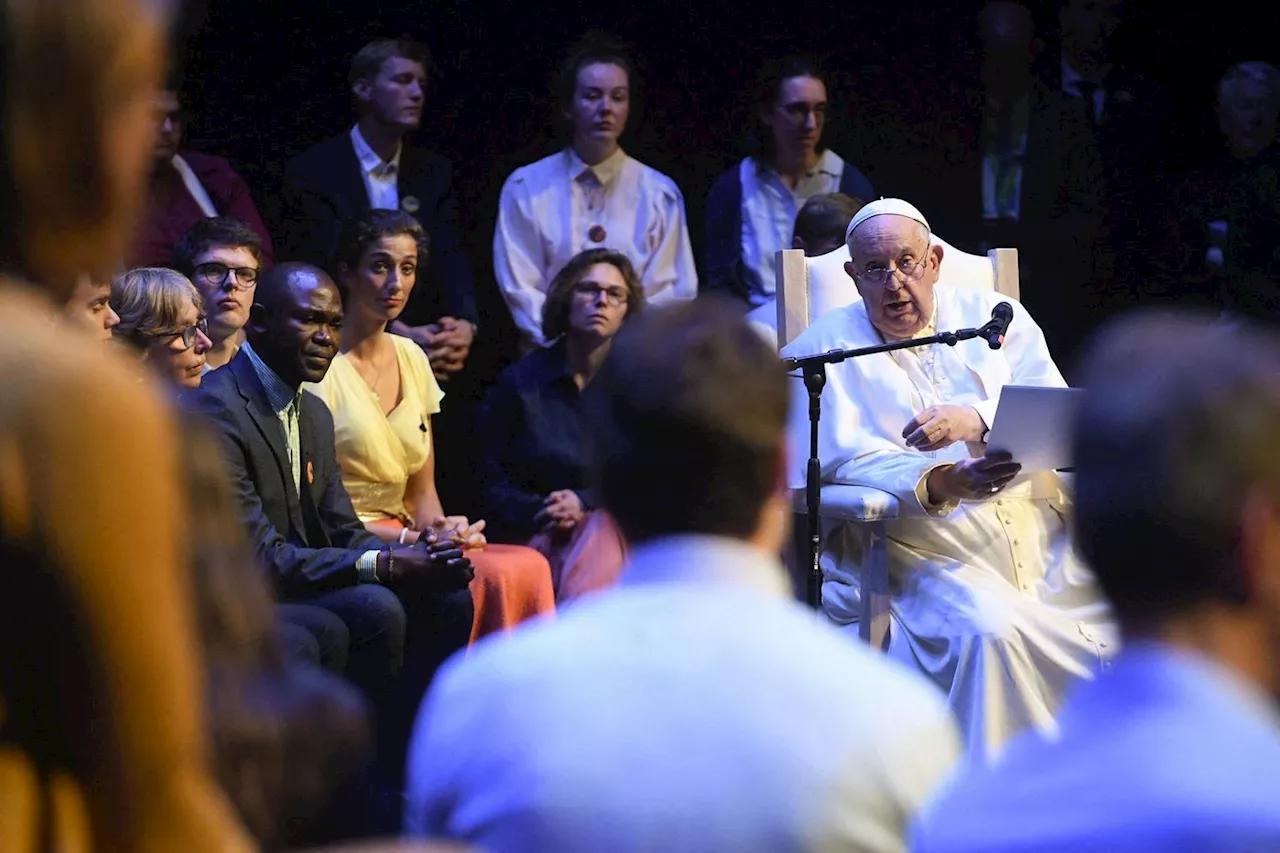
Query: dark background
x=266 y=79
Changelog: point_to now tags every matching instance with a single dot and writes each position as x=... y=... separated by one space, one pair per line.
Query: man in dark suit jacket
x=278 y=444
x=372 y=166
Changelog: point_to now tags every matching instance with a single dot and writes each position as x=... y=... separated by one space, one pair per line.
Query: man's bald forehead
x=279 y=283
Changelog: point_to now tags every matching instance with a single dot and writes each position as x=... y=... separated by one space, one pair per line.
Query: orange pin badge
x=311 y=472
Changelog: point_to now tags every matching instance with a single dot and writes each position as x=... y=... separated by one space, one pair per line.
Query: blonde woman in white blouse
x=590 y=195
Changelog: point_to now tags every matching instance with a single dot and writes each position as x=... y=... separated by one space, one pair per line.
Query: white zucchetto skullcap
x=883 y=206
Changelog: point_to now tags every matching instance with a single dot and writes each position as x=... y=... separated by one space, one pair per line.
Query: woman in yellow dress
x=382 y=394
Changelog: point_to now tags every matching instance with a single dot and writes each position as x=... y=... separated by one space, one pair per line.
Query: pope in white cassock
x=986 y=595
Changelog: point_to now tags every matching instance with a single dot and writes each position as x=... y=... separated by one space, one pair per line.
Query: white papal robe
x=986 y=597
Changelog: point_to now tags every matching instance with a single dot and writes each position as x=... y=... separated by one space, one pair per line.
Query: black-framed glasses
x=591 y=290
x=910 y=270
x=215 y=274
x=187 y=335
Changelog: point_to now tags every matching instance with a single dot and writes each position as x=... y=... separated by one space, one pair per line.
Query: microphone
x=995 y=328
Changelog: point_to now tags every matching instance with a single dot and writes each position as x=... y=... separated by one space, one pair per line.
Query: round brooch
x=409 y=204
x=597 y=234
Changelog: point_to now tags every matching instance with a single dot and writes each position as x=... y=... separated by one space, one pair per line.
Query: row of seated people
x=592 y=194
x=536 y=491
x=325 y=531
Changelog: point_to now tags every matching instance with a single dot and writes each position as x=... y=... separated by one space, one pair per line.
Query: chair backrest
x=807 y=288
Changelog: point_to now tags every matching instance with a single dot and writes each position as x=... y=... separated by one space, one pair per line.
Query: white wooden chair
x=807 y=288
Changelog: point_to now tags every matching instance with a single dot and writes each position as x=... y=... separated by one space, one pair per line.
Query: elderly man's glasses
x=909 y=269
x=592 y=291
x=214 y=275
x=187 y=335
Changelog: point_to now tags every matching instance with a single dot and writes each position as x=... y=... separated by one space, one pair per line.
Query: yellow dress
x=378 y=454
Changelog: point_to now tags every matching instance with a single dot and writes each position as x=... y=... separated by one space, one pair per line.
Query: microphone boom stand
x=814 y=370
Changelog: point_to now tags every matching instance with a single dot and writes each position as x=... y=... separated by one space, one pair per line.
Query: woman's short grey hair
x=150 y=302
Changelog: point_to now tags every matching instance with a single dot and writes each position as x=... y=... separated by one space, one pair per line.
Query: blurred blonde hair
x=76 y=85
x=150 y=302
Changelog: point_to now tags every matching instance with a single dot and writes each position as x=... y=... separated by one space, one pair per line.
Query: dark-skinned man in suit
x=406 y=607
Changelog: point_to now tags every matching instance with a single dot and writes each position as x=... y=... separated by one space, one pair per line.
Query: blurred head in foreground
x=1178 y=485
x=688 y=414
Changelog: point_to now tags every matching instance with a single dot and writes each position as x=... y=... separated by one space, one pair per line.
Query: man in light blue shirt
x=696 y=707
x=1177 y=746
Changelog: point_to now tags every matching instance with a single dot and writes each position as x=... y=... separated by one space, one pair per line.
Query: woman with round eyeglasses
x=162 y=317
x=536 y=485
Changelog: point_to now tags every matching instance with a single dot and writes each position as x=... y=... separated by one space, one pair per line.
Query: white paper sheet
x=1034 y=424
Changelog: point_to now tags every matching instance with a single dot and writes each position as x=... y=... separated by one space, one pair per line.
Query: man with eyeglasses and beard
x=222 y=256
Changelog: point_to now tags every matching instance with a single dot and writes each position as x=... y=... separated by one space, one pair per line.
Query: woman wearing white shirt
x=752 y=208
x=590 y=195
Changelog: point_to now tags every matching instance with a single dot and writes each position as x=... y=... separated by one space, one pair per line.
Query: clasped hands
x=447 y=344
x=561 y=510
x=970 y=479
x=454 y=528
x=436 y=553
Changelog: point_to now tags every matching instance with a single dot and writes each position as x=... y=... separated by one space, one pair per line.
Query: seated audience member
x=820 y=228
x=537 y=488
x=752 y=209
x=90 y=306
x=696 y=706
x=286 y=739
x=1179 y=739
x=1228 y=208
x=987 y=597
x=590 y=195
x=374 y=166
x=278 y=445
x=382 y=396
x=103 y=741
x=162 y=317
x=187 y=186
x=223 y=258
